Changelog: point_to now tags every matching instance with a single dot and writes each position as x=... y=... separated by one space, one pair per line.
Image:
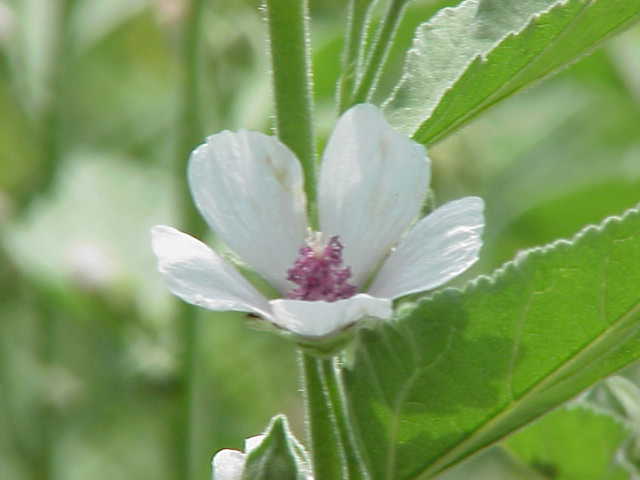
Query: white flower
x=372 y=184
x=229 y=464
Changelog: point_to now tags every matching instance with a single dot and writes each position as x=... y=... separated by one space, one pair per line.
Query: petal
x=228 y=465
x=252 y=443
x=249 y=187
x=439 y=247
x=320 y=318
x=372 y=184
x=197 y=275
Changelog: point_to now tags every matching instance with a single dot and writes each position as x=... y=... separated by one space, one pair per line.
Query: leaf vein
x=402 y=397
x=542 y=385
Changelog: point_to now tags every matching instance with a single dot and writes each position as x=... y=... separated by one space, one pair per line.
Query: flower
x=372 y=184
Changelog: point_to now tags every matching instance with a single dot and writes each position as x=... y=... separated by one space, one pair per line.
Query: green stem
x=379 y=52
x=323 y=439
x=189 y=136
x=353 y=50
x=292 y=85
x=356 y=470
x=290 y=59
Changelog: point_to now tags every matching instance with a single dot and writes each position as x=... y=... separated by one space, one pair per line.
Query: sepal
x=279 y=455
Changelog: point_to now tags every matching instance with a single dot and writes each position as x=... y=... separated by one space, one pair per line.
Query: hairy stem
x=356 y=469
x=323 y=438
x=379 y=52
x=354 y=50
x=292 y=85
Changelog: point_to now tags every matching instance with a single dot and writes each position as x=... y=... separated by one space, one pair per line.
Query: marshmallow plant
x=440 y=376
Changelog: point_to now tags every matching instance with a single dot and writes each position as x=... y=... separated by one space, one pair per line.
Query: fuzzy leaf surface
x=466 y=59
x=460 y=370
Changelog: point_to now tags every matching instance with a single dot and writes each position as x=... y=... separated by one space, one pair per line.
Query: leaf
x=462 y=63
x=460 y=370
x=279 y=455
x=492 y=464
x=572 y=443
x=445 y=45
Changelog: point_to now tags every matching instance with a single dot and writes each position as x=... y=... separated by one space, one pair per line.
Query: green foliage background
x=91 y=377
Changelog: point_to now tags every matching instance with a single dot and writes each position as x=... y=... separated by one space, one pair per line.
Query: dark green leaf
x=463 y=369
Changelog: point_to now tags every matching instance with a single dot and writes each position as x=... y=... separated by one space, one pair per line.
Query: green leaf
x=445 y=45
x=469 y=58
x=462 y=369
x=279 y=455
x=572 y=443
x=492 y=464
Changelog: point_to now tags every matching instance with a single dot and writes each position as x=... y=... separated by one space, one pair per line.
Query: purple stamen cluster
x=319 y=273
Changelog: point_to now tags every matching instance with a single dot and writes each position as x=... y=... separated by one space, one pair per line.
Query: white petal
x=439 y=247
x=251 y=443
x=228 y=465
x=319 y=318
x=196 y=274
x=249 y=187
x=372 y=184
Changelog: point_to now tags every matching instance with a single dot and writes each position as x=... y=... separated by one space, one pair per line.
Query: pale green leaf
x=443 y=48
x=468 y=58
x=463 y=369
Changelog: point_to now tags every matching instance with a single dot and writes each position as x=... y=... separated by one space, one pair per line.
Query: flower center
x=318 y=271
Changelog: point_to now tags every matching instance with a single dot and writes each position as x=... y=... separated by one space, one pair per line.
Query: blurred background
x=102 y=373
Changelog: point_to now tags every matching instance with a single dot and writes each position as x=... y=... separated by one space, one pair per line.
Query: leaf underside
x=469 y=58
x=460 y=370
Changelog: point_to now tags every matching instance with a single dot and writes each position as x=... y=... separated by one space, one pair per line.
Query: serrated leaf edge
x=449 y=458
x=406 y=75
x=495 y=97
x=520 y=257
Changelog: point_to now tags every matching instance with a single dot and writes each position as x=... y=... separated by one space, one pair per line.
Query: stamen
x=319 y=273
